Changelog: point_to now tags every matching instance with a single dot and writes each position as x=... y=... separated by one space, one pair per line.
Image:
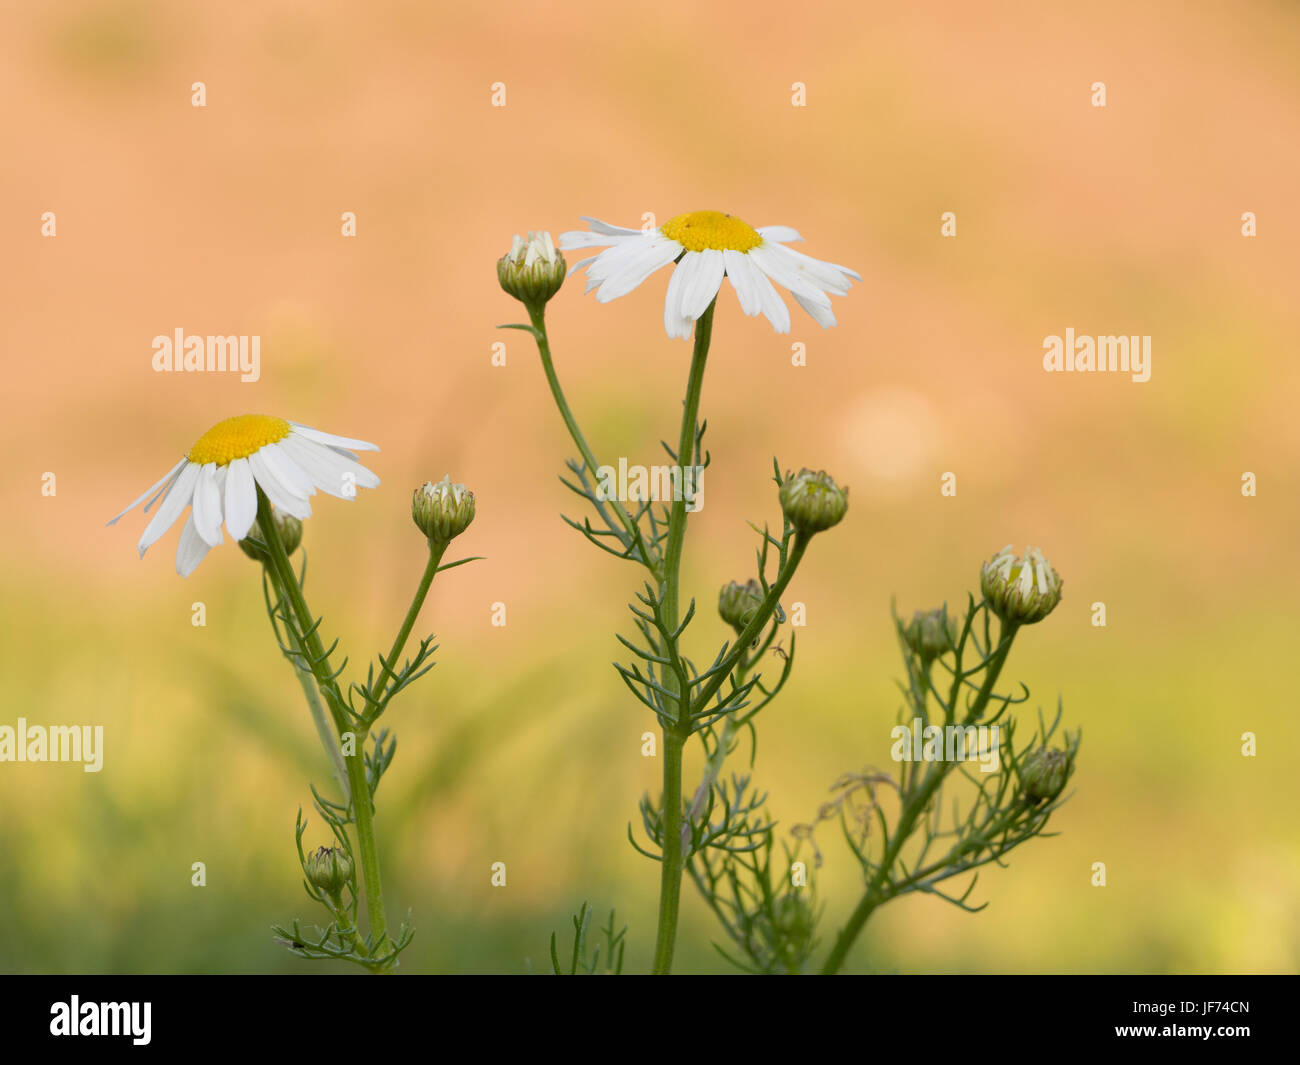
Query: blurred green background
x=523 y=746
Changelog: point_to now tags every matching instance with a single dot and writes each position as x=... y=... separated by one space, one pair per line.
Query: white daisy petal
x=597 y=226
x=280 y=494
x=768 y=258
x=580 y=264
x=582 y=238
x=241 y=498
x=824 y=275
x=176 y=500
x=162 y=483
x=331 y=439
x=741 y=273
x=784 y=234
x=289 y=472
x=330 y=470
x=207 y=505
x=705 y=284
x=774 y=308
x=613 y=260
x=653 y=257
x=675 y=322
x=823 y=316
x=191 y=550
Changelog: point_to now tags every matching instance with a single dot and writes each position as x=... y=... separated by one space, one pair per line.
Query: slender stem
x=672 y=865
x=363 y=812
x=436 y=551
x=761 y=617
x=878 y=890
x=685 y=458
x=329 y=739
x=632 y=535
x=675 y=735
x=713 y=767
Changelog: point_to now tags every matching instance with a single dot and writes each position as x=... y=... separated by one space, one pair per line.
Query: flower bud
x=1044 y=772
x=931 y=633
x=1020 y=591
x=290 y=535
x=442 y=511
x=737 y=603
x=532 y=270
x=329 y=869
x=813 y=501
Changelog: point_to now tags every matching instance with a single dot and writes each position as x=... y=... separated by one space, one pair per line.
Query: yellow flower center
x=237 y=438
x=711 y=229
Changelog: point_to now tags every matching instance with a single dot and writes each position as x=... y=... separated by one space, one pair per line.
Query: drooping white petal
x=597 y=226
x=176 y=500
x=784 y=234
x=675 y=322
x=580 y=264
x=241 y=498
x=330 y=470
x=704 y=284
x=822 y=314
x=744 y=279
x=191 y=550
x=289 y=472
x=829 y=276
x=332 y=440
x=163 y=482
x=784 y=272
x=774 y=308
x=614 y=260
x=279 y=493
x=575 y=239
x=653 y=257
x=207 y=505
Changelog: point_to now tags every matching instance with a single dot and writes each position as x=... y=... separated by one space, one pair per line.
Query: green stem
x=685 y=458
x=672 y=865
x=537 y=314
x=713 y=767
x=755 y=626
x=329 y=740
x=436 y=551
x=363 y=812
x=915 y=805
x=675 y=735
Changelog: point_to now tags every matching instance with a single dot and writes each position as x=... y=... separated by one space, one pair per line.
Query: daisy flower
x=219 y=478
x=706 y=246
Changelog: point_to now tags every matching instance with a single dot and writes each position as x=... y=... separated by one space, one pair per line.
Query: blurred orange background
x=523 y=746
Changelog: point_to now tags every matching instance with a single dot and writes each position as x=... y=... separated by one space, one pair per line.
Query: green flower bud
x=813 y=501
x=794 y=918
x=532 y=270
x=788 y=927
x=737 y=603
x=290 y=534
x=1044 y=772
x=1020 y=591
x=330 y=870
x=442 y=511
x=931 y=633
